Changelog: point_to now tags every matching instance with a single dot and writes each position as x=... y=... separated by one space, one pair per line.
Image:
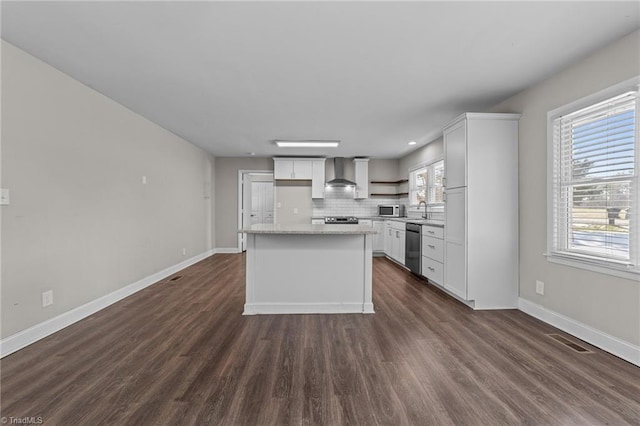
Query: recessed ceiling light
x=307 y=144
x=412 y=143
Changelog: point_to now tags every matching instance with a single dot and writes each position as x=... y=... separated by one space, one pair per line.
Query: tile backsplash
x=340 y=202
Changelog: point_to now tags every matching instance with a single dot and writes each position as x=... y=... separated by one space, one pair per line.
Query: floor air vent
x=569 y=343
x=176 y=278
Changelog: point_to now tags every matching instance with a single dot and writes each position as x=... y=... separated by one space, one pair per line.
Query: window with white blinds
x=595 y=183
x=425 y=184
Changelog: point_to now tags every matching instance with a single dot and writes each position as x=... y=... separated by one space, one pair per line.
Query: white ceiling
x=233 y=76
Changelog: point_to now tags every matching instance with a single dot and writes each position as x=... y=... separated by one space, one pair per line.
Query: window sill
x=602 y=268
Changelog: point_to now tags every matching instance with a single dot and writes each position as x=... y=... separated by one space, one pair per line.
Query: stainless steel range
x=341 y=220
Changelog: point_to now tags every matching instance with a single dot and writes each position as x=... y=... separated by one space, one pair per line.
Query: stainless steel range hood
x=339 y=180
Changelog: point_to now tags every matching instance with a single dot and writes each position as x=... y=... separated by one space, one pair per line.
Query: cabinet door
x=401 y=246
x=362 y=178
x=317 y=181
x=282 y=169
x=455 y=253
x=455 y=155
x=303 y=169
x=378 y=239
x=389 y=235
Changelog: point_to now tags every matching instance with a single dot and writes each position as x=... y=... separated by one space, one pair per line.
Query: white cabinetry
x=388 y=237
x=293 y=168
x=317 y=221
x=302 y=169
x=362 y=178
x=317 y=180
x=394 y=240
x=378 y=239
x=481 y=209
x=433 y=254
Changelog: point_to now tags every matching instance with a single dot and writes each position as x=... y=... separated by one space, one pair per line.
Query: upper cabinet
x=455 y=155
x=361 y=178
x=317 y=181
x=302 y=169
x=293 y=168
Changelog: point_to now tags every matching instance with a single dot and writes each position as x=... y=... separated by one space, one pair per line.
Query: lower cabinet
x=433 y=254
x=394 y=239
x=378 y=239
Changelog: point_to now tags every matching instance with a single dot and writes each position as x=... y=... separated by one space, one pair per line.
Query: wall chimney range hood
x=339 y=180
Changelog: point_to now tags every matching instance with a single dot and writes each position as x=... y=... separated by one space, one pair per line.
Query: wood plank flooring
x=180 y=352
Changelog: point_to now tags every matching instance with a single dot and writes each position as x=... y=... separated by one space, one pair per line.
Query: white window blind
x=417 y=186
x=425 y=184
x=595 y=182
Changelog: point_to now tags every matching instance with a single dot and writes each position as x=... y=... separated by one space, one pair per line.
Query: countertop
x=308 y=229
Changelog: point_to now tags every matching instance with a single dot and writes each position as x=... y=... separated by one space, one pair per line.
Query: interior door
x=257 y=202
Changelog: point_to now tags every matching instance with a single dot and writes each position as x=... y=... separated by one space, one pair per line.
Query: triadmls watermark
x=26 y=420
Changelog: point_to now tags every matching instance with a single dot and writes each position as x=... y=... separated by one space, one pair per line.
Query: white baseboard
x=307 y=308
x=227 y=250
x=31 y=335
x=620 y=348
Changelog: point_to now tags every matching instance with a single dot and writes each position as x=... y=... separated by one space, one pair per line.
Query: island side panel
x=307 y=274
x=249 y=274
x=367 y=305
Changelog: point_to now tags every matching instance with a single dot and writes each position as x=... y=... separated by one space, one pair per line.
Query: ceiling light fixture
x=307 y=144
x=412 y=143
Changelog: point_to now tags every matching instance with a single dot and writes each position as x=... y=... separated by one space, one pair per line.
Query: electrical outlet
x=184 y=251
x=295 y=210
x=47 y=298
x=539 y=287
x=144 y=180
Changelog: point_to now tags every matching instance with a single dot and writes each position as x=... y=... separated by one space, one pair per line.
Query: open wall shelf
x=398 y=184
x=389 y=182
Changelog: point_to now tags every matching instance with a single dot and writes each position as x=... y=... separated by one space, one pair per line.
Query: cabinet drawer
x=432 y=270
x=398 y=226
x=433 y=248
x=433 y=231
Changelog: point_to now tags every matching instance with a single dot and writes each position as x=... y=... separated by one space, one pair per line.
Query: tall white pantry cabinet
x=481 y=209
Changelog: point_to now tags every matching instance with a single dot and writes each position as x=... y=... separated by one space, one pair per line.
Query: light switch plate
x=4 y=197
x=540 y=287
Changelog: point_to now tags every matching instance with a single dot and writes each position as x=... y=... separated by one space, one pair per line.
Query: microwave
x=391 y=210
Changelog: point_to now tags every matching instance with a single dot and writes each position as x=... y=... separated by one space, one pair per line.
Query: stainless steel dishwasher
x=413 y=247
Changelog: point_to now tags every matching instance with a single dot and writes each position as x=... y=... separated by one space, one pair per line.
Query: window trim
x=584 y=262
x=418 y=166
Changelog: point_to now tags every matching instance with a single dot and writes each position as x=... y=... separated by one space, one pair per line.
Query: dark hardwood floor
x=180 y=352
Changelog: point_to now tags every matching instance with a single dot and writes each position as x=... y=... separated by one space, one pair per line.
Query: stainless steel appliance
x=339 y=180
x=391 y=210
x=413 y=248
x=341 y=220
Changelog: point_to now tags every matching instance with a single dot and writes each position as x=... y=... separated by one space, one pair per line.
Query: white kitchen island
x=306 y=269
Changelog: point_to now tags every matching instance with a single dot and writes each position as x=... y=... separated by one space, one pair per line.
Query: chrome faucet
x=425 y=215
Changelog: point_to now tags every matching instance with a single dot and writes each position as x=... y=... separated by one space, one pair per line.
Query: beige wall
x=600 y=301
x=226 y=190
x=80 y=222
x=292 y=195
x=383 y=169
x=427 y=154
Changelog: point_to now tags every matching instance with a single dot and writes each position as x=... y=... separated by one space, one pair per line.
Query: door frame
x=241 y=174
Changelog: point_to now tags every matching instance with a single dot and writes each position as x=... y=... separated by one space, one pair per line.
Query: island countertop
x=308 y=229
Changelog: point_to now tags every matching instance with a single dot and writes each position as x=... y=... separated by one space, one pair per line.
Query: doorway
x=255 y=201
